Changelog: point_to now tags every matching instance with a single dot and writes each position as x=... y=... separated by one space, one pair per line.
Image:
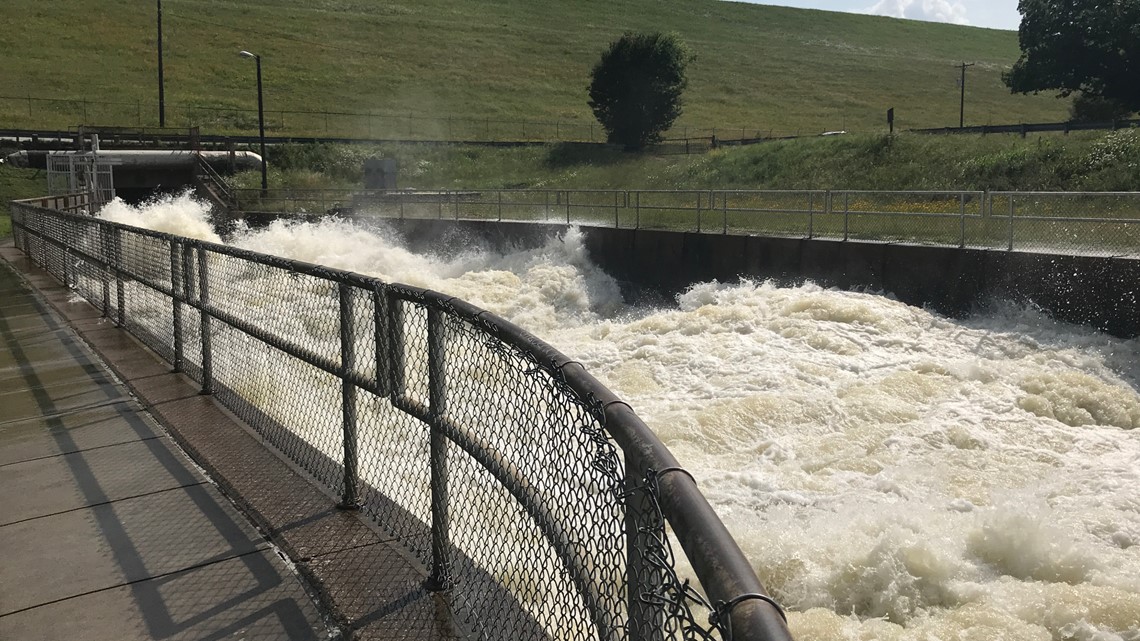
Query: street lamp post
x=260 y=119
x=161 y=83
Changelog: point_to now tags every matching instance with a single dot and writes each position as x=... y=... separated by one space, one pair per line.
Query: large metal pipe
x=168 y=158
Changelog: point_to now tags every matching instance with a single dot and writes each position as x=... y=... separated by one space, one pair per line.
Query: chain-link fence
x=533 y=498
x=1084 y=223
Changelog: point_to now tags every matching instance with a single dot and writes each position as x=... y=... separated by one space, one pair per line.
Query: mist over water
x=892 y=474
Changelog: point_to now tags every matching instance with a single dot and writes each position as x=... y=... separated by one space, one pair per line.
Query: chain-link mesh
x=458 y=435
x=1098 y=224
x=1089 y=223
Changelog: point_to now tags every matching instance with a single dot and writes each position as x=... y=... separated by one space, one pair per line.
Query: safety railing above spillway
x=1078 y=223
x=535 y=499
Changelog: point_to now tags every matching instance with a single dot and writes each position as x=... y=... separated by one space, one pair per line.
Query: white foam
x=892 y=474
x=181 y=215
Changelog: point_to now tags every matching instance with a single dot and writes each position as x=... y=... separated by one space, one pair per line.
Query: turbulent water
x=892 y=474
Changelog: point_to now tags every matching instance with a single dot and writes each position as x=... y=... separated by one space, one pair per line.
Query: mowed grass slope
x=757 y=68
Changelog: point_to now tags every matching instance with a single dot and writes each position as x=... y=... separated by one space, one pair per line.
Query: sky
x=995 y=14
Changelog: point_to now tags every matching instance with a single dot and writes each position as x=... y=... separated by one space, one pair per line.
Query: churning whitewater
x=892 y=474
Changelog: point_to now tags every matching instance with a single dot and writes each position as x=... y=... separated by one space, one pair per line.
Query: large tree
x=635 y=89
x=1086 y=46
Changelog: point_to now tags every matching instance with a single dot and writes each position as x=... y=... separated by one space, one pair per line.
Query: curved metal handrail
x=740 y=601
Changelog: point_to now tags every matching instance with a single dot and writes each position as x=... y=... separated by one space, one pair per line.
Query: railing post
x=698 y=212
x=637 y=212
x=567 y=207
x=204 y=313
x=646 y=617
x=395 y=357
x=811 y=214
x=962 y=217
x=381 y=317
x=120 y=285
x=349 y=499
x=67 y=269
x=1010 y=245
x=455 y=201
x=846 y=213
x=546 y=205
x=724 y=210
x=440 y=578
x=176 y=302
x=617 y=220
x=107 y=254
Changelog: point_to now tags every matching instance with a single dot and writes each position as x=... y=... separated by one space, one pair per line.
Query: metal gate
x=73 y=172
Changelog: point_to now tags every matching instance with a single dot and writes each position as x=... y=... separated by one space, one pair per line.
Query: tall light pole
x=161 y=84
x=260 y=119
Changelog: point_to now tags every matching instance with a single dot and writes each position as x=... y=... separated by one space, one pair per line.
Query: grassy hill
x=1092 y=161
x=416 y=63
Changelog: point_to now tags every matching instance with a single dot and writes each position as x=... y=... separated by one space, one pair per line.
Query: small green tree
x=635 y=89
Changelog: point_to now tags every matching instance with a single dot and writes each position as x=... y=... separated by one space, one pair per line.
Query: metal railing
x=535 y=499
x=1026 y=128
x=1085 y=223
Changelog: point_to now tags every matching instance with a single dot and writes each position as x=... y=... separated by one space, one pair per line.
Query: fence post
x=395 y=358
x=1010 y=197
x=811 y=214
x=698 y=212
x=440 y=578
x=381 y=317
x=617 y=221
x=176 y=302
x=204 y=314
x=108 y=255
x=646 y=616
x=546 y=205
x=846 y=213
x=455 y=203
x=724 y=210
x=67 y=269
x=962 y=217
x=120 y=285
x=349 y=500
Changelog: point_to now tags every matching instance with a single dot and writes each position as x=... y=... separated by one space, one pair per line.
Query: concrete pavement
x=371 y=587
x=107 y=530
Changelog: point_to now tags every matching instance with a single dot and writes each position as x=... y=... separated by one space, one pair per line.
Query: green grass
x=1095 y=161
x=758 y=68
x=14 y=185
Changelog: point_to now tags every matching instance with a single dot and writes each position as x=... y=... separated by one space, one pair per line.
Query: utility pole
x=161 y=84
x=962 y=100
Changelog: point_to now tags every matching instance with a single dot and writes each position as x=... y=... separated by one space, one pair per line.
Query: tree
x=1079 y=46
x=1086 y=108
x=635 y=89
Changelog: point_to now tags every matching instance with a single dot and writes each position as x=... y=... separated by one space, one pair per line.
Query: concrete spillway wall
x=1100 y=292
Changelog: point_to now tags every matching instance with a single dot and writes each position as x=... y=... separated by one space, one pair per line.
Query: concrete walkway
x=369 y=585
x=107 y=530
